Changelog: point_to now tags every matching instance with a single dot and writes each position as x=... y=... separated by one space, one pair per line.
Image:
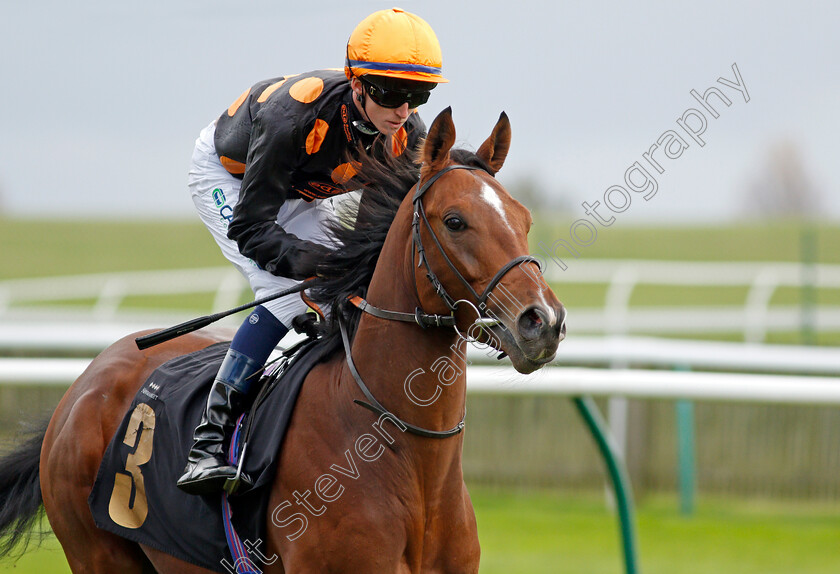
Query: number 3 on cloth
x=120 y=508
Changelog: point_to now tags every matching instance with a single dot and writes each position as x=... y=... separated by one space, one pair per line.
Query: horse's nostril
x=532 y=323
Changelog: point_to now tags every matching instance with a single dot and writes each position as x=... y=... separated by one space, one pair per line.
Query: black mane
x=349 y=269
x=466 y=157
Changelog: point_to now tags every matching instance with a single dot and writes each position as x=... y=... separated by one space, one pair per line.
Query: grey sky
x=103 y=100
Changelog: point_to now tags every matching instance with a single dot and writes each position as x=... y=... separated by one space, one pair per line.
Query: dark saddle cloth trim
x=182 y=525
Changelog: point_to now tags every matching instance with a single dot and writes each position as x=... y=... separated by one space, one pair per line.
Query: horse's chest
x=450 y=539
x=384 y=530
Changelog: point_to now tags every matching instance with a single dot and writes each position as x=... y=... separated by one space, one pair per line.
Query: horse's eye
x=454 y=223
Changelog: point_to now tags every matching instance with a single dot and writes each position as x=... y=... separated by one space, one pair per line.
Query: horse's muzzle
x=532 y=340
x=540 y=324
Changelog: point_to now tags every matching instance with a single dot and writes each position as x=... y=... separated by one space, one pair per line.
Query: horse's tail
x=20 y=492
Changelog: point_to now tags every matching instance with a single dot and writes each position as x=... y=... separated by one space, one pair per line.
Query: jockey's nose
x=403 y=111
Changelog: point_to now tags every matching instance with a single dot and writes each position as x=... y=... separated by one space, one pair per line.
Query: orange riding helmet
x=394 y=44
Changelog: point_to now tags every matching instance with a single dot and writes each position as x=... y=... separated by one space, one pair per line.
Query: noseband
x=425 y=319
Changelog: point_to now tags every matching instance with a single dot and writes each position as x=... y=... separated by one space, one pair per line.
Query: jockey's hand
x=307 y=264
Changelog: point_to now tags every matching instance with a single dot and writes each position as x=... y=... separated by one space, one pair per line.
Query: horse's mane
x=347 y=271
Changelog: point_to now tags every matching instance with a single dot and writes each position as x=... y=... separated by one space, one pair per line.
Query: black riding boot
x=207 y=467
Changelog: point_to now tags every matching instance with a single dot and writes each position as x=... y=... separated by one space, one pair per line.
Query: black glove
x=308 y=260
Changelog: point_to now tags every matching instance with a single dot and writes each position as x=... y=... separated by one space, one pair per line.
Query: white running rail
x=570 y=381
x=754 y=318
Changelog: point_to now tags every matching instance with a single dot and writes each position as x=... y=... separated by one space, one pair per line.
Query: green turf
x=540 y=532
x=38 y=248
x=755 y=241
x=46 y=558
x=534 y=532
x=33 y=248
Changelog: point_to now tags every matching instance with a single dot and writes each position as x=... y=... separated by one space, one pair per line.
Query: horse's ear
x=439 y=141
x=495 y=148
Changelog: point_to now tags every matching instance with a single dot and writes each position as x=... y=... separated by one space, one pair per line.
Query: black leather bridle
x=451 y=303
x=426 y=319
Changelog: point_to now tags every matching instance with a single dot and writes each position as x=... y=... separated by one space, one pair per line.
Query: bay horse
x=441 y=260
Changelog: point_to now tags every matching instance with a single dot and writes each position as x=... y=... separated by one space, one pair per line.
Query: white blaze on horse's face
x=489 y=232
x=491 y=196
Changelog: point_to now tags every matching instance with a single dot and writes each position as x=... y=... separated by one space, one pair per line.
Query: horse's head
x=470 y=238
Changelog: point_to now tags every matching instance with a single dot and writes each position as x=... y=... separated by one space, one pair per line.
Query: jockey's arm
x=271 y=158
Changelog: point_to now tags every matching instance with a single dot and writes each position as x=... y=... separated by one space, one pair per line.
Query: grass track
x=33 y=248
x=767 y=241
x=542 y=532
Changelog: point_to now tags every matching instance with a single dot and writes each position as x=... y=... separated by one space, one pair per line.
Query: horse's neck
x=418 y=374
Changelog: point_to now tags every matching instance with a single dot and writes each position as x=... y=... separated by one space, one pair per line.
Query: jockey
x=262 y=177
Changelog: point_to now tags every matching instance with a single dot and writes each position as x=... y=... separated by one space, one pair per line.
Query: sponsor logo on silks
x=253 y=319
x=312 y=190
x=225 y=211
x=218 y=197
x=345 y=120
x=227 y=215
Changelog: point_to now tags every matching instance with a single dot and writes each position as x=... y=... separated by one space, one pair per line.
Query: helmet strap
x=362 y=99
x=366 y=127
x=369 y=127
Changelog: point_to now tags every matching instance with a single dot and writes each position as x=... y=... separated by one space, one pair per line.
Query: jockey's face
x=387 y=120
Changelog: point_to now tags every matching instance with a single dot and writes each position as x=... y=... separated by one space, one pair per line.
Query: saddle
x=135 y=496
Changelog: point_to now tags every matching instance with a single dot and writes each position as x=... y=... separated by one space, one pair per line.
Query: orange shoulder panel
x=235 y=105
x=270 y=90
x=307 y=90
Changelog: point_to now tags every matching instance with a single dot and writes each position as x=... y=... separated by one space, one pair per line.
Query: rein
x=419 y=317
x=377 y=407
x=424 y=319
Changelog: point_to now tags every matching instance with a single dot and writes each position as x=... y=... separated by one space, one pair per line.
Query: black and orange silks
x=289 y=138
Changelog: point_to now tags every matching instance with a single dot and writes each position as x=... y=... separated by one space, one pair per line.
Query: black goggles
x=394 y=98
